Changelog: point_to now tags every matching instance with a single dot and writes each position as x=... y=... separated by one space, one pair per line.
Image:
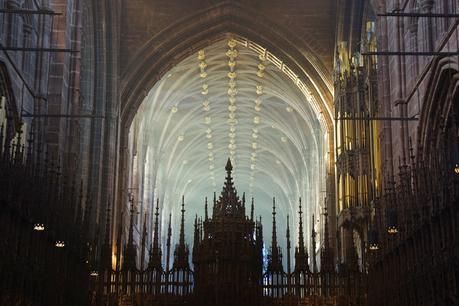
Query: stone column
x=426 y=26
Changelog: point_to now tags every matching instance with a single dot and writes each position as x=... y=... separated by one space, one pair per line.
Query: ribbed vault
x=232 y=99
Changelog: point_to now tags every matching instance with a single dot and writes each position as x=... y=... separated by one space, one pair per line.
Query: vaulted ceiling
x=310 y=23
x=231 y=99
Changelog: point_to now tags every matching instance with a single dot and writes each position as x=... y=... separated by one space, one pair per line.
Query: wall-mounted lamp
x=392 y=222
x=373 y=241
x=39 y=227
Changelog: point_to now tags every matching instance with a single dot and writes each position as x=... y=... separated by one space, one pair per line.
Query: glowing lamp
x=94 y=273
x=456 y=168
x=59 y=244
x=39 y=227
x=392 y=222
x=373 y=241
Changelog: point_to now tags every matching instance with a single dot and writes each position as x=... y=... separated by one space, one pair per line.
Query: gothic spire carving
x=229 y=205
x=155 y=251
x=252 y=209
x=196 y=231
x=143 y=243
x=289 y=264
x=301 y=255
x=313 y=251
x=206 y=214
x=287 y=236
x=168 y=243
x=275 y=256
x=182 y=224
x=181 y=252
x=130 y=252
x=131 y=224
x=274 y=244
x=326 y=254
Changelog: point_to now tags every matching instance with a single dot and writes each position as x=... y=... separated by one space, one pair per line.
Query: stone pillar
x=426 y=26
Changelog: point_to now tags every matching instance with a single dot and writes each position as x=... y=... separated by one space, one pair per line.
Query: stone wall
x=405 y=80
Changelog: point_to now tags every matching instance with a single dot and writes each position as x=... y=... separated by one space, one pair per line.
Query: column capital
x=426 y=5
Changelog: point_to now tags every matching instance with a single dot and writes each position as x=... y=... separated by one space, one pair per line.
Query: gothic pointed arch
x=6 y=90
x=187 y=36
x=440 y=106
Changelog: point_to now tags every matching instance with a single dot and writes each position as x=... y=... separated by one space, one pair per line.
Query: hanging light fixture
x=392 y=222
x=39 y=227
x=94 y=273
x=59 y=244
x=373 y=241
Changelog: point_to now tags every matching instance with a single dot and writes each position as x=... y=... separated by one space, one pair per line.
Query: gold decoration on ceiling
x=232 y=75
x=206 y=107
x=259 y=90
x=257 y=119
x=232 y=53
x=201 y=55
x=261 y=70
x=232 y=92
x=231 y=63
x=232 y=43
